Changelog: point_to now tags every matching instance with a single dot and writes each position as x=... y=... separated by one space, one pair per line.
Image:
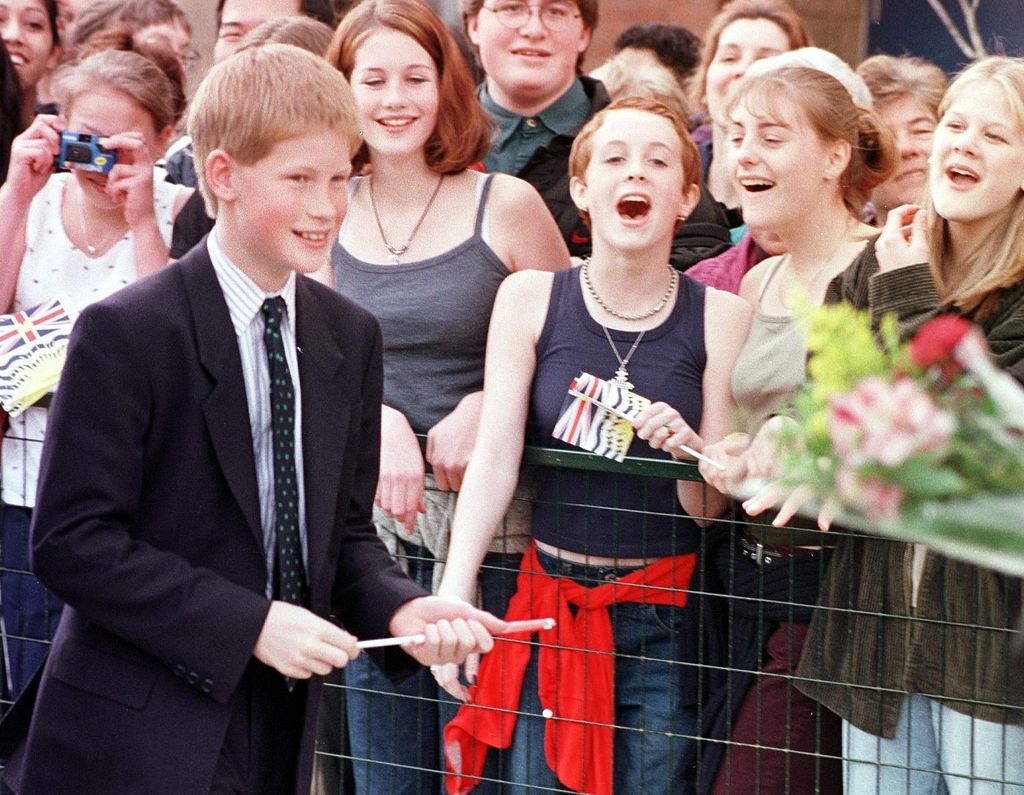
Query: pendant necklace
x=89 y=247
x=621 y=378
x=398 y=251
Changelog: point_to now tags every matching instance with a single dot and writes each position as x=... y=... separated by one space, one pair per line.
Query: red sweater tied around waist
x=576 y=676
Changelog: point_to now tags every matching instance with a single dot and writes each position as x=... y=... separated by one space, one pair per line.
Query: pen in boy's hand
x=532 y=625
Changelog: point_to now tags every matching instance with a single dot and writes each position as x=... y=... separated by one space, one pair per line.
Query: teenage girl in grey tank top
x=425 y=245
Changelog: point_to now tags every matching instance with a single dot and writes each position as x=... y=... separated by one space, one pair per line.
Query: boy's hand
x=400 y=485
x=299 y=644
x=453 y=629
x=32 y=155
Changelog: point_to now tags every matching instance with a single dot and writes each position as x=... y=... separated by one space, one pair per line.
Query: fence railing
x=738 y=691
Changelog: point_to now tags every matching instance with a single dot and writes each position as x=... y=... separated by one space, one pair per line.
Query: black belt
x=766 y=554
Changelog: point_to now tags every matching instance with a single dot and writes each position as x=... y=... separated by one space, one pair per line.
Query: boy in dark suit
x=208 y=478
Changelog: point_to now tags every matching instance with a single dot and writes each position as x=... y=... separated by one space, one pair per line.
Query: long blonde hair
x=974 y=284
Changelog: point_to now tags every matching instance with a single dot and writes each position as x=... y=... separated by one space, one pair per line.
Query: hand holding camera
x=130 y=181
x=32 y=157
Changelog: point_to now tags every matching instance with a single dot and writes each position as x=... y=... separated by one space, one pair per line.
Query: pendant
x=621 y=379
x=90 y=249
x=393 y=260
x=396 y=251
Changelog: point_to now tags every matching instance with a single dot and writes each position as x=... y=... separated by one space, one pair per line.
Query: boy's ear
x=220 y=175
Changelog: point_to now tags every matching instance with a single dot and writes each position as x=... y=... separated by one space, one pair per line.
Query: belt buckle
x=760 y=556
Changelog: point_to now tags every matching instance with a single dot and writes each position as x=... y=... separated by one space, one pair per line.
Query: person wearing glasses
x=531 y=55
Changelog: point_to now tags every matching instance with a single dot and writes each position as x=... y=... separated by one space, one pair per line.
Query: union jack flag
x=33 y=345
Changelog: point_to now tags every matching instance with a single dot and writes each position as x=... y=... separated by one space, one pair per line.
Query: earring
x=682 y=217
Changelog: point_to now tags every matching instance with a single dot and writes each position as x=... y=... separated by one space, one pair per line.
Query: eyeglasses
x=554 y=16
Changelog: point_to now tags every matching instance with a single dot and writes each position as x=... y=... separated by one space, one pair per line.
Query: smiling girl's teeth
x=315 y=237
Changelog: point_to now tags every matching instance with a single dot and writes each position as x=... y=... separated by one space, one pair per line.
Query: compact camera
x=83 y=152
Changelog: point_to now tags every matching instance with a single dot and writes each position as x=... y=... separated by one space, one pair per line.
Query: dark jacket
x=147 y=526
x=704 y=234
x=956 y=645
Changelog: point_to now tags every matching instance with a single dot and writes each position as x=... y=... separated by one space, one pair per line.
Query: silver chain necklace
x=89 y=247
x=672 y=282
x=398 y=251
x=621 y=378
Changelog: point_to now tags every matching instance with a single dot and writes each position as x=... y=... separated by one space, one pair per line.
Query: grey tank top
x=771 y=366
x=434 y=316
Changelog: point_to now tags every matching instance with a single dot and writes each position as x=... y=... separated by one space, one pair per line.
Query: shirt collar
x=562 y=116
x=243 y=296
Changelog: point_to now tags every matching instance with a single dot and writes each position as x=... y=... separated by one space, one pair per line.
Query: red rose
x=936 y=340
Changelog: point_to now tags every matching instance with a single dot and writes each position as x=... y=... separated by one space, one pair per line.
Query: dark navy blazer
x=147 y=526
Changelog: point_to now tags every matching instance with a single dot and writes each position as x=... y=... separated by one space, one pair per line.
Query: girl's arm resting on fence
x=726 y=323
x=493 y=470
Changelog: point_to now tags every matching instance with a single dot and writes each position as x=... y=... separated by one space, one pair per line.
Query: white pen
x=620 y=413
x=532 y=625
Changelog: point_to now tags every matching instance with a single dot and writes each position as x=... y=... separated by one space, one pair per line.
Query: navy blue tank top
x=607 y=514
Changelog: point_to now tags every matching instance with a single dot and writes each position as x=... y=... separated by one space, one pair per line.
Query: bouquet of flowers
x=921 y=442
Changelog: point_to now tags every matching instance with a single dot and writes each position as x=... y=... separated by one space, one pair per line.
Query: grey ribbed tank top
x=771 y=366
x=434 y=315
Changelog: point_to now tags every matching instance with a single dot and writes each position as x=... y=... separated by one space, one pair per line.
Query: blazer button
x=192 y=677
x=179 y=670
x=206 y=686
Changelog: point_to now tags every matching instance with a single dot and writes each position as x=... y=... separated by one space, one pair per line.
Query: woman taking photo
x=806 y=150
x=80 y=235
x=634 y=176
x=425 y=245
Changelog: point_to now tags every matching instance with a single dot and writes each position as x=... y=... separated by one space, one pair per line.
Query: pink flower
x=887 y=423
x=879 y=500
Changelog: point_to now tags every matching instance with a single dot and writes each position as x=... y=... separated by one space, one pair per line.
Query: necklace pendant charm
x=393 y=259
x=90 y=249
x=621 y=379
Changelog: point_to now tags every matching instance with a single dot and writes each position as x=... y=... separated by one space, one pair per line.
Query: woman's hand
x=450 y=442
x=731 y=453
x=130 y=181
x=400 y=486
x=763 y=466
x=904 y=238
x=664 y=428
x=32 y=156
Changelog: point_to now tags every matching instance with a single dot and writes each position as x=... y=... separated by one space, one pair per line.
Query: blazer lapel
x=226 y=409
x=325 y=418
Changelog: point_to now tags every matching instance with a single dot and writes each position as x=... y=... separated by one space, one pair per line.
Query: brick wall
x=840 y=27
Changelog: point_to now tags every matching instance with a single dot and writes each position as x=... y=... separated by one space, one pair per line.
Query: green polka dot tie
x=290 y=578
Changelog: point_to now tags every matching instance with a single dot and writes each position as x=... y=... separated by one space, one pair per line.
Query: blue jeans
x=936 y=751
x=652 y=725
x=395 y=732
x=29 y=614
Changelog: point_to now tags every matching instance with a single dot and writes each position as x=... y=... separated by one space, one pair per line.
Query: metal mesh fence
x=797 y=659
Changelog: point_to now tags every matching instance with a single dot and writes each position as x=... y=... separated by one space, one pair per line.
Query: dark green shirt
x=869 y=645
x=520 y=136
